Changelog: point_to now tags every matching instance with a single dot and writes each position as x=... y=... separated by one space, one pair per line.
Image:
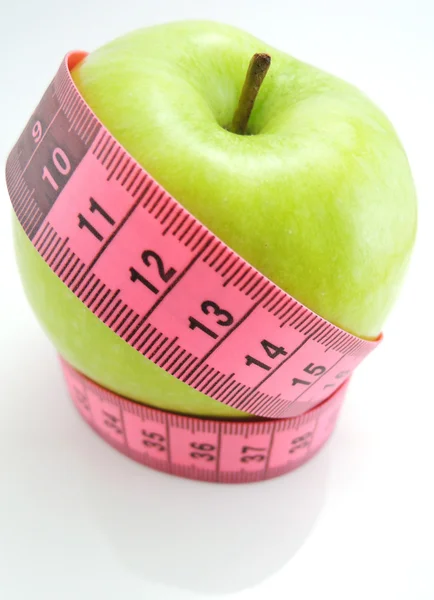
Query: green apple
x=317 y=194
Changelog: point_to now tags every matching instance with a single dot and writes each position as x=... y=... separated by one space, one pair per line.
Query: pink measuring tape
x=164 y=283
x=209 y=450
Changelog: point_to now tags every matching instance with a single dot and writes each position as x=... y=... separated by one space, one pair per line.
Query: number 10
x=62 y=164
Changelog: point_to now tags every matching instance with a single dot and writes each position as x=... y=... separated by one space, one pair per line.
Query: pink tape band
x=208 y=450
x=229 y=331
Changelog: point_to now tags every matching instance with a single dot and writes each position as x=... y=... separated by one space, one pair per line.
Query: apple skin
x=318 y=197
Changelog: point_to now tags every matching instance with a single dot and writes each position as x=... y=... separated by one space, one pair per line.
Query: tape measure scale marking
x=207 y=450
x=178 y=294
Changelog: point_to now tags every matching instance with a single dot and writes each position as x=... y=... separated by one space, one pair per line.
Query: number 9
x=37 y=132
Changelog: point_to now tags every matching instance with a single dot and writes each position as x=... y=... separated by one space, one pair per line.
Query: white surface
x=78 y=520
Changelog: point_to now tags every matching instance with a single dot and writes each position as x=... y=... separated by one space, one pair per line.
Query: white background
x=78 y=520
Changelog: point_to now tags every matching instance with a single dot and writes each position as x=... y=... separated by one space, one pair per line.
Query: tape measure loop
x=206 y=450
x=183 y=299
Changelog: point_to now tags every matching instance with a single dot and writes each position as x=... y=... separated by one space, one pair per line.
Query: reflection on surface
x=81 y=497
x=204 y=537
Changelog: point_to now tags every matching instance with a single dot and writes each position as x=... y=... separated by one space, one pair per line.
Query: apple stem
x=256 y=72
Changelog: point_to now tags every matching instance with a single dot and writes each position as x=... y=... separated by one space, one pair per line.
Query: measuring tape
x=157 y=277
x=209 y=450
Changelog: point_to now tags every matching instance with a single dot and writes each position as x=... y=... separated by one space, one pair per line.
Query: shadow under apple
x=208 y=538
